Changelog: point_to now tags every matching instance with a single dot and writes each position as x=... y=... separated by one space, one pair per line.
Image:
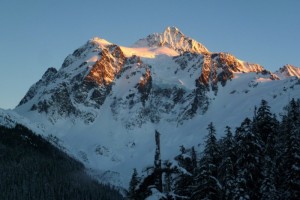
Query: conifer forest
x=260 y=159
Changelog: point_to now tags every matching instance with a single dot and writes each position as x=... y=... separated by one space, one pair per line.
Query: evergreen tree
x=226 y=169
x=208 y=185
x=134 y=182
x=157 y=163
x=290 y=165
x=268 y=189
x=194 y=160
x=248 y=163
x=263 y=122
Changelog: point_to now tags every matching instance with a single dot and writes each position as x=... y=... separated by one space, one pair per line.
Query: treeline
x=31 y=168
x=259 y=160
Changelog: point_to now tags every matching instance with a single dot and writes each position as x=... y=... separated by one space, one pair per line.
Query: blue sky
x=35 y=35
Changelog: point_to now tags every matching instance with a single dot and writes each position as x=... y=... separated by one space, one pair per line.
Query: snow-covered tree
x=268 y=188
x=207 y=183
x=248 y=162
x=226 y=168
x=290 y=158
x=263 y=122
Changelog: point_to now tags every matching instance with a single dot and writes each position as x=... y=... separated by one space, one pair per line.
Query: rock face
x=85 y=79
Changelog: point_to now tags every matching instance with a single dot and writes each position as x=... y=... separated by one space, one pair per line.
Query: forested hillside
x=32 y=168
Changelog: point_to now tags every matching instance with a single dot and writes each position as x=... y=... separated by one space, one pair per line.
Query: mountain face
x=105 y=101
x=87 y=77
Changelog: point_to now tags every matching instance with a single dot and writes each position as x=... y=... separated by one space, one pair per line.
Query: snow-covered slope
x=105 y=102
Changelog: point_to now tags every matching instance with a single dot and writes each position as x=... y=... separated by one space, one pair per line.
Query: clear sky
x=35 y=35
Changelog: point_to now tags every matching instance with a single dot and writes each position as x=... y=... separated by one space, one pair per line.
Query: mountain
x=106 y=100
x=88 y=76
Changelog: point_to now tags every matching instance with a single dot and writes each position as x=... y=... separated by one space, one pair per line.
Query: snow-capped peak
x=172 y=31
x=289 y=70
x=172 y=38
x=99 y=41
